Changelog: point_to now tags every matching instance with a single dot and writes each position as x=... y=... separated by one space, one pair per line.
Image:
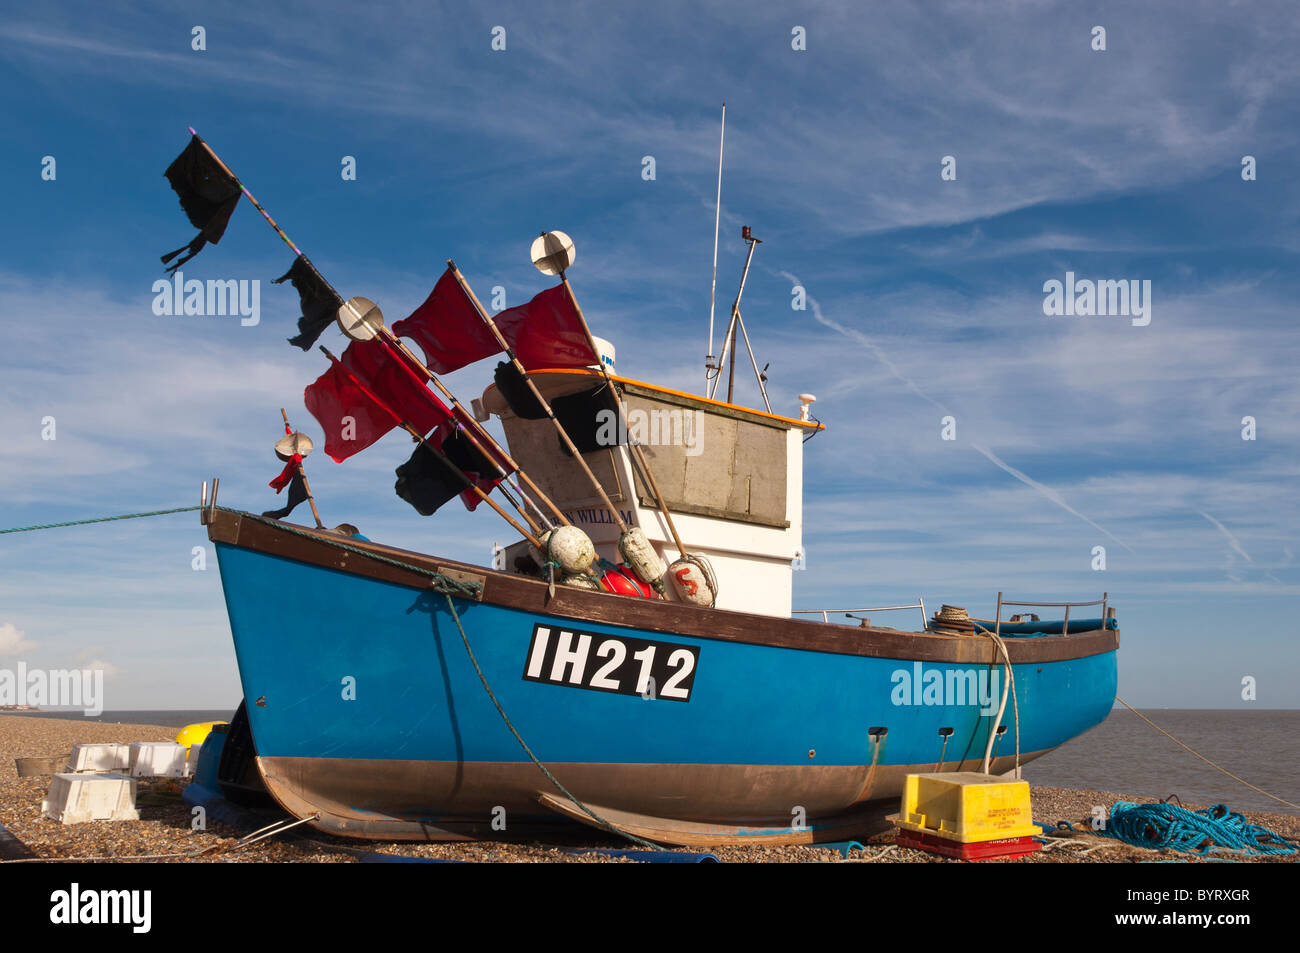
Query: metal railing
x=1065 y=629
x=925 y=621
x=826 y=613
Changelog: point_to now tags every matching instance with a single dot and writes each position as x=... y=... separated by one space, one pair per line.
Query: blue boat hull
x=368 y=709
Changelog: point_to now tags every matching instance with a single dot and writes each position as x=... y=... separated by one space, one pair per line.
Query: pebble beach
x=164 y=833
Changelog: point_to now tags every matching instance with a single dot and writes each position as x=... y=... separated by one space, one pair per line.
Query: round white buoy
x=581 y=580
x=693 y=581
x=571 y=549
x=641 y=556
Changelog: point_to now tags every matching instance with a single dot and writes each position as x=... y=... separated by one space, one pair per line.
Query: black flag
x=518 y=395
x=320 y=302
x=427 y=482
x=297 y=493
x=590 y=418
x=208 y=194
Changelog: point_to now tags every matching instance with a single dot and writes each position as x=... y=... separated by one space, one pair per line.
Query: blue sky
x=926 y=296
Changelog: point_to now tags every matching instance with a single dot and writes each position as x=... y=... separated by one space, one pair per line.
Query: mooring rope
x=1010 y=686
x=457 y=587
x=1202 y=757
x=1161 y=826
x=523 y=744
x=99 y=519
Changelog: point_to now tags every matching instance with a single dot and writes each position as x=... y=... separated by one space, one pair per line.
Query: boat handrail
x=826 y=613
x=1065 y=629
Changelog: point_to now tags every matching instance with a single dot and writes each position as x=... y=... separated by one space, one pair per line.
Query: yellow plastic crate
x=967 y=807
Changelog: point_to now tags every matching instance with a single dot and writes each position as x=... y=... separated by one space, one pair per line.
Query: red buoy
x=622 y=581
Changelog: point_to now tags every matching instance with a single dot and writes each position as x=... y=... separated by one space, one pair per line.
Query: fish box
x=35 y=767
x=158 y=759
x=99 y=757
x=192 y=759
x=77 y=798
x=982 y=850
x=967 y=807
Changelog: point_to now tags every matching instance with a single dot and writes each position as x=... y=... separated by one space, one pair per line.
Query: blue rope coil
x=1161 y=826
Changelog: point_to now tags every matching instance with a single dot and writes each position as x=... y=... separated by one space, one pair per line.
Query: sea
x=1123 y=754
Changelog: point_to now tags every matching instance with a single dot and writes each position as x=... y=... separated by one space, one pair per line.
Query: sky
x=924 y=293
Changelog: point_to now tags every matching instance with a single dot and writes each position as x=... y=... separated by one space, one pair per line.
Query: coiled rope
x=1161 y=826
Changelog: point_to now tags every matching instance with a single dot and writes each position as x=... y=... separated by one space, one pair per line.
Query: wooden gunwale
x=319 y=548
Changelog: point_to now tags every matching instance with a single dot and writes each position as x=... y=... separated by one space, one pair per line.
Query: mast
x=709 y=363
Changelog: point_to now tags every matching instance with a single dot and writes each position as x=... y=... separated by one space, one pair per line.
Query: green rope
x=453 y=587
x=550 y=777
x=99 y=519
x=441 y=582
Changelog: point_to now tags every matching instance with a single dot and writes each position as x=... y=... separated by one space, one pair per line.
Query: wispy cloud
x=1232 y=540
x=857 y=336
x=1045 y=491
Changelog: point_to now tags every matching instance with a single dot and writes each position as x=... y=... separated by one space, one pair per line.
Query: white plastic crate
x=99 y=757
x=158 y=759
x=192 y=760
x=77 y=798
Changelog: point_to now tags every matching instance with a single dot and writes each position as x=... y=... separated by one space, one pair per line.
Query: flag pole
x=390 y=337
x=392 y=340
x=717 y=219
x=311 y=500
x=247 y=194
x=510 y=352
x=635 y=452
x=470 y=484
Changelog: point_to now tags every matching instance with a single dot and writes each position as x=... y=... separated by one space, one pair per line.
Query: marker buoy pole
x=311 y=500
x=545 y=405
x=470 y=484
x=361 y=320
x=635 y=451
x=390 y=339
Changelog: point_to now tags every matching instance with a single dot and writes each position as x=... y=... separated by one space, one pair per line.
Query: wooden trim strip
x=530 y=595
x=681 y=397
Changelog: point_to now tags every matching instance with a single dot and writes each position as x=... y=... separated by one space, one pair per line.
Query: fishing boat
x=418 y=697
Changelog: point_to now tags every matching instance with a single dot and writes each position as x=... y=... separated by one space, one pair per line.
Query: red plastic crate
x=983 y=850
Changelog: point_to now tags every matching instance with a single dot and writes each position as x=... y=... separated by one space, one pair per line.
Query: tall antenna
x=710 y=365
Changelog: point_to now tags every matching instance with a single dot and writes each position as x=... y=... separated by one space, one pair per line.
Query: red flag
x=287 y=474
x=547 y=332
x=448 y=328
x=351 y=418
x=387 y=374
